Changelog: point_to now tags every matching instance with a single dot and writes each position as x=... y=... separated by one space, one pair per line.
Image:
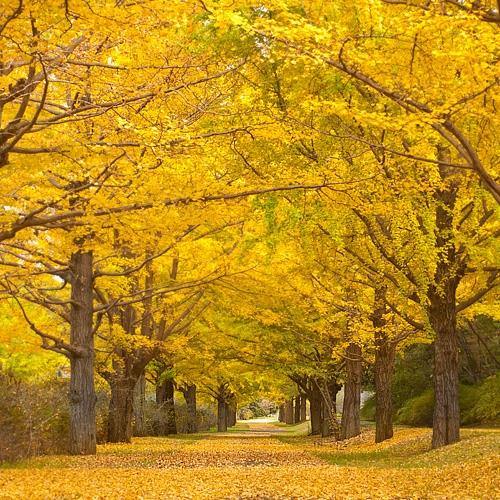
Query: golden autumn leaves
x=251 y=466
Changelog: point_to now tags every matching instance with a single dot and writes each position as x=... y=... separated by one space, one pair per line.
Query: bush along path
x=258 y=462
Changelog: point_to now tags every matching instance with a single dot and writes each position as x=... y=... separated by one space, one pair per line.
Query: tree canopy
x=254 y=199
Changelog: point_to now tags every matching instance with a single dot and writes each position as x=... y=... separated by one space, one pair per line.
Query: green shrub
x=478 y=404
x=486 y=406
x=417 y=411
x=468 y=396
x=368 y=409
x=412 y=373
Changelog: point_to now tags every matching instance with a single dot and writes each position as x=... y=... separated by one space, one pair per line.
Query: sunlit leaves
x=235 y=467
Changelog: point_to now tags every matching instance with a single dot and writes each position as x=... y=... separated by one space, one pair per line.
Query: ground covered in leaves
x=268 y=462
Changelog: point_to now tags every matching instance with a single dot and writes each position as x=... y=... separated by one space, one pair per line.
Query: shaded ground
x=262 y=460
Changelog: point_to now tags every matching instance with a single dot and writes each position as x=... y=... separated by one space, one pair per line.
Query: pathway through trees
x=261 y=460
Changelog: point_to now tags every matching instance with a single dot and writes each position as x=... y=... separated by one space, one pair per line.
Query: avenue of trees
x=271 y=199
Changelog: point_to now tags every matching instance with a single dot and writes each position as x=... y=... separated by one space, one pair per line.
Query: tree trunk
x=231 y=414
x=296 y=409
x=221 y=415
x=165 y=400
x=303 y=408
x=159 y=423
x=189 y=393
x=315 y=400
x=325 y=421
x=385 y=352
x=281 y=413
x=289 y=411
x=333 y=389
x=443 y=316
x=121 y=410
x=170 y=407
x=82 y=397
x=446 y=420
x=330 y=423
x=139 y=404
x=384 y=368
x=351 y=423
x=160 y=394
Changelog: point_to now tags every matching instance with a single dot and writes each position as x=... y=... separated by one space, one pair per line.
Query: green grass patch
x=42 y=462
x=239 y=427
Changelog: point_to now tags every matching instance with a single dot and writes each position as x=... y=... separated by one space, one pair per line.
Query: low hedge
x=479 y=404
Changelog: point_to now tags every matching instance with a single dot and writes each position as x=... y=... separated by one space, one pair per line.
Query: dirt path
x=257 y=428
